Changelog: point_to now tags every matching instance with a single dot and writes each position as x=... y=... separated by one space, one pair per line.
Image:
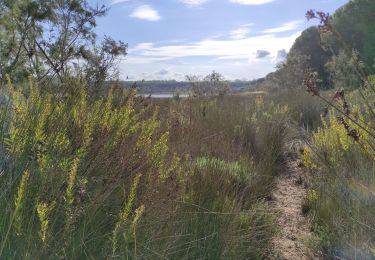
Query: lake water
x=171 y=95
x=163 y=96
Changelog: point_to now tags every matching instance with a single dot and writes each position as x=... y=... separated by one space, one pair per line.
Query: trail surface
x=288 y=197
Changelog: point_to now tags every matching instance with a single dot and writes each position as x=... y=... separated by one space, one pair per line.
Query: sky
x=241 y=39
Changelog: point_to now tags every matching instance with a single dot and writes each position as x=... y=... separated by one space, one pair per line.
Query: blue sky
x=241 y=39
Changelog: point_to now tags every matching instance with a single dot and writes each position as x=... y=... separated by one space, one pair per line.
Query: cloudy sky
x=242 y=39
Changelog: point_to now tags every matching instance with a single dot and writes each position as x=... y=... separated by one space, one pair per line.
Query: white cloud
x=286 y=27
x=220 y=48
x=231 y=69
x=146 y=12
x=241 y=32
x=144 y=46
x=192 y=3
x=113 y=2
x=251 y=2
x=235 y=58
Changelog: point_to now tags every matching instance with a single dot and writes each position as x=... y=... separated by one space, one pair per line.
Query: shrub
x=341 y=196
x=69 y=168
x=118 y=177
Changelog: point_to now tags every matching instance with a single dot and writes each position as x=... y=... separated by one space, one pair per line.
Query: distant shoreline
x=167 y=95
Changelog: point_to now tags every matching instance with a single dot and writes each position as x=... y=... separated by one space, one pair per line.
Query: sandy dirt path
x=287 y=198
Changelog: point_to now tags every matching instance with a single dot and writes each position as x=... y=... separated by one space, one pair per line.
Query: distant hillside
x=171 y=86
x=332 y=58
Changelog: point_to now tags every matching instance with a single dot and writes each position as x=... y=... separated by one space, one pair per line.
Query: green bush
x=113 y=177
x=69 y=168
x=341 y=196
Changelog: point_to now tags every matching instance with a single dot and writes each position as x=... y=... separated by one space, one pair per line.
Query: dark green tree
x=343 y=71
x=48 y=39
x=356 y=24
x=306 y=53
x=330 y=53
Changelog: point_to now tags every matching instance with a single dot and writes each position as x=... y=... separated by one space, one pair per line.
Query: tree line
x=334 y=59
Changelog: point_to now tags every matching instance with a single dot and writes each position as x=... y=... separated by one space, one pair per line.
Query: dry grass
x=112 y=177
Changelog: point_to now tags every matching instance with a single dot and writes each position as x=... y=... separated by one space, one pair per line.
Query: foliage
x=71 y=162
x=229 y=167
x=113 y=177
x=354 y=21
x=49 y=40
x=172 y=86
x=211 y=85
x=341 y=197
x=343 y=71
x=303 y=110
x=331 y=53
x=306 y=53
x=288 y=74
x=342 y=151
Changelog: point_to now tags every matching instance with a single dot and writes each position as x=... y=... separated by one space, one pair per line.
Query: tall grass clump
x=303 y=110
x=232 y=128
x=232 y=148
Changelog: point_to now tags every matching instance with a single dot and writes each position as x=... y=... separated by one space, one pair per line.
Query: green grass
x=114 y=178
x=341 y=198
x=132 y=178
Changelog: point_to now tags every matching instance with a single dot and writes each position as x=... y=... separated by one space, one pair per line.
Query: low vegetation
x=115 y=178
x=340 y=199
x=90 y=169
